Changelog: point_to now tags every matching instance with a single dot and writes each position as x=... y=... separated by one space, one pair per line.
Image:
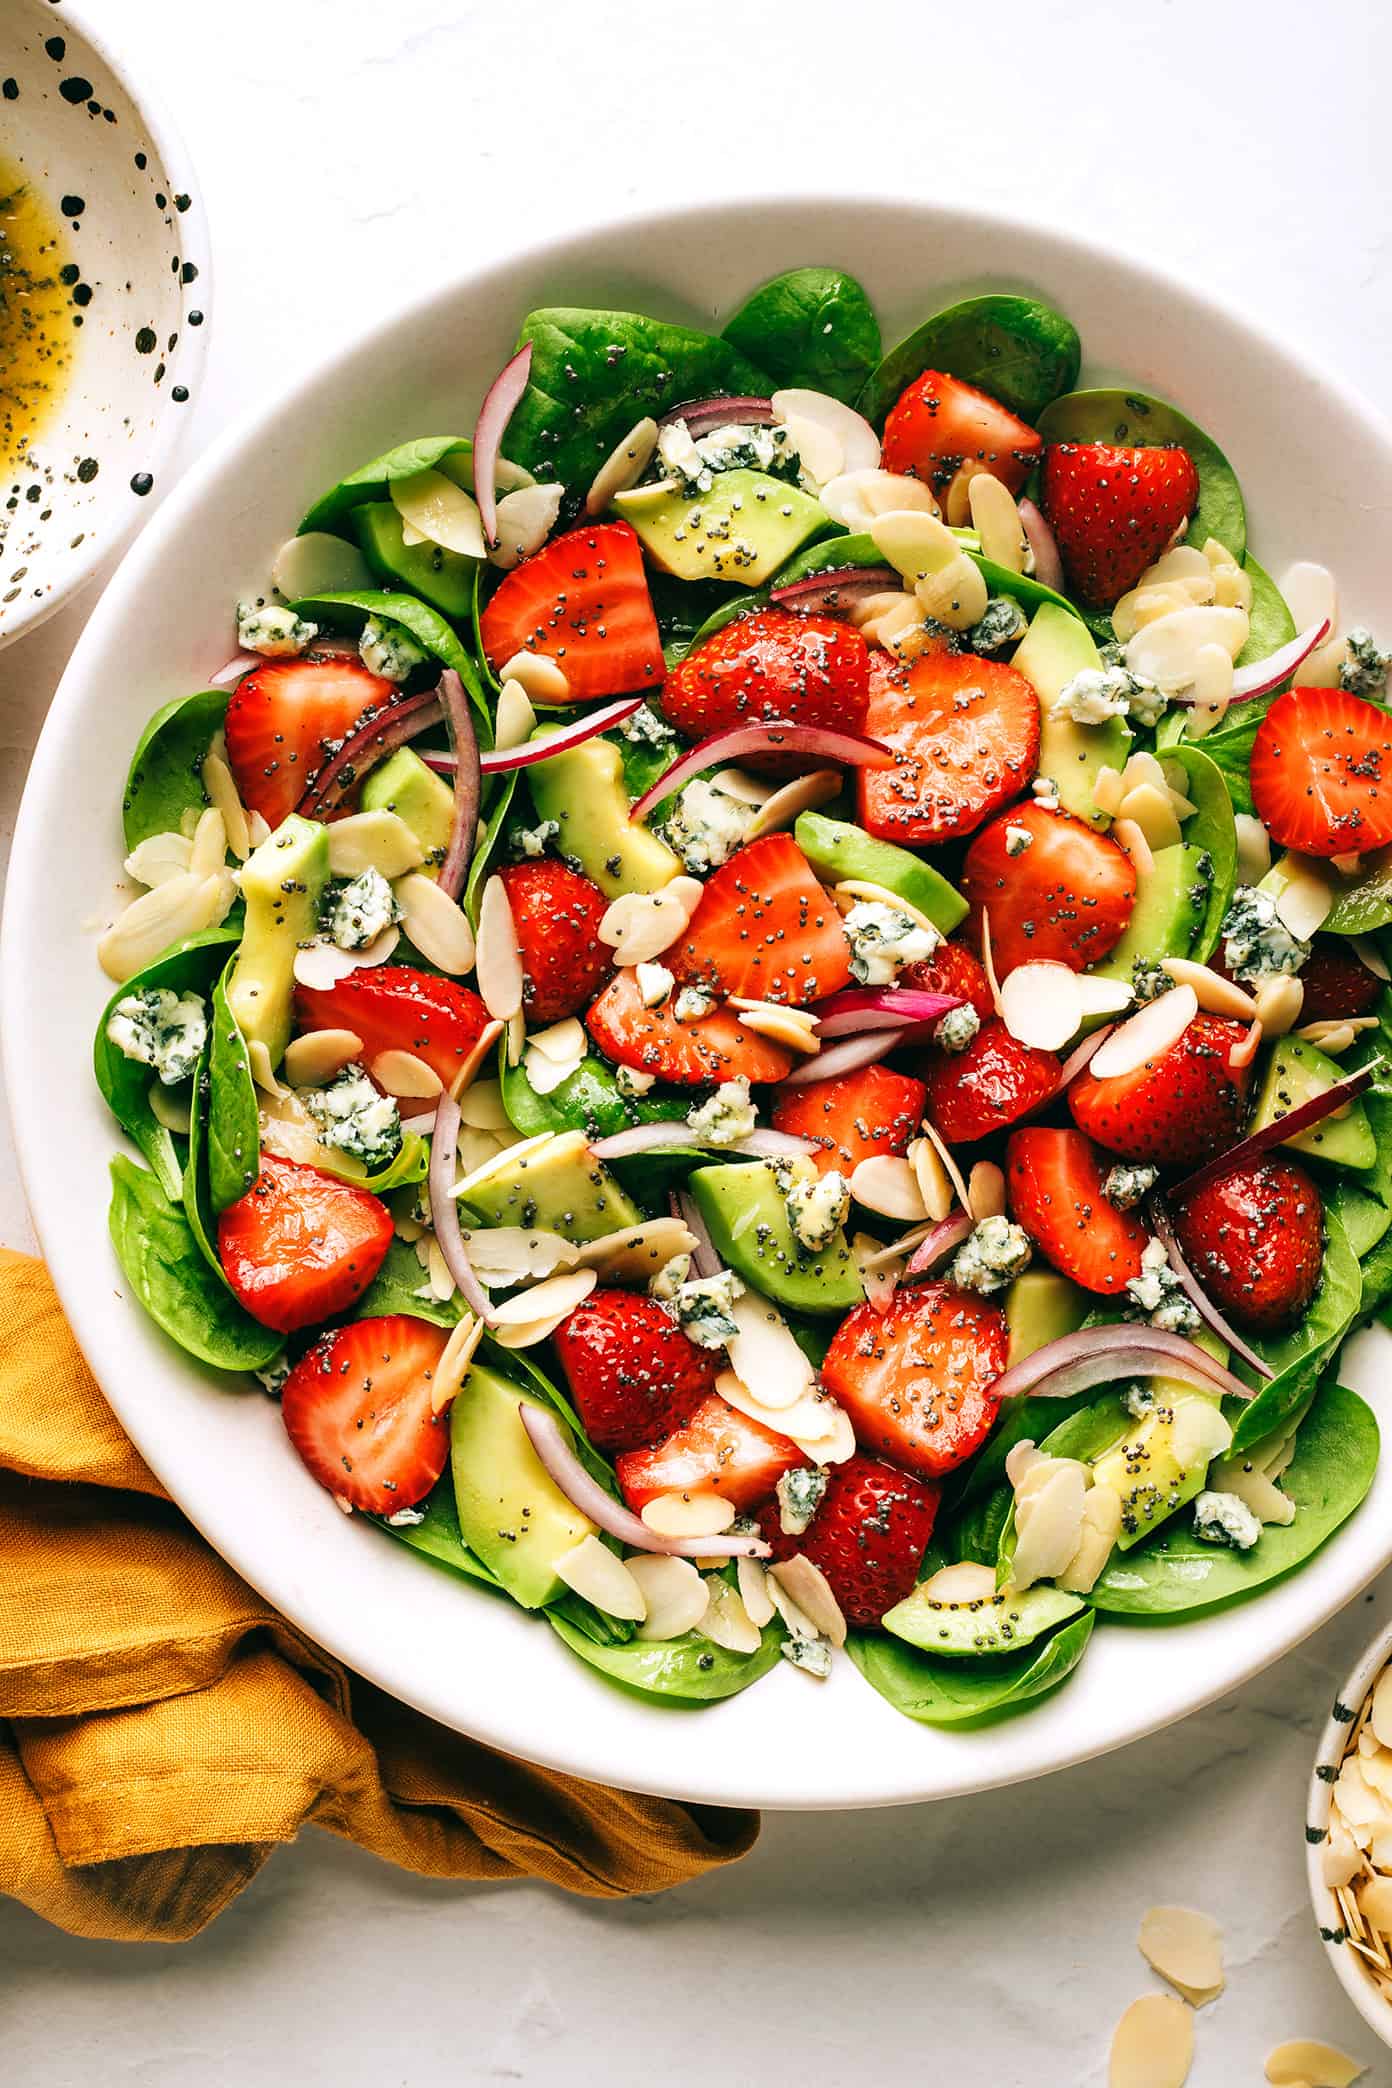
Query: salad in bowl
x=759 y=997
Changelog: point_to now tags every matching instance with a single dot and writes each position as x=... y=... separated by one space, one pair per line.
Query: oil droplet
x=34 y=332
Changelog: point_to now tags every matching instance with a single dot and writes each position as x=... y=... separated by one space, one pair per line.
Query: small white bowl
x=113 y=170
x=1375 y=2011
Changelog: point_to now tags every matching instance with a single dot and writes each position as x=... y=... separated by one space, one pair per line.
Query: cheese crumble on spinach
x=725 y=1117
x=350 y=1114
x=275 y=632
x=385 y=649
x=1157 y=1294
x=1257 y=944
x=1363 y=669
x=1222 y=1518
x=160 y=1028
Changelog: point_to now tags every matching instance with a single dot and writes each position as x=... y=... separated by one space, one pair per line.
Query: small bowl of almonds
x=1349 y=1833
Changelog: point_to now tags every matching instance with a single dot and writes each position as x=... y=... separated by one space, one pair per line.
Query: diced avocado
x=1055 y=648
x=1171 y=900
x=282 y=882
x=1040 y=1307
x=838 y=851
x=552 y=1182
x=1000 y=1624
x=443 y=578
x=746 y=1214
x=583 y=791
x=512 y=1514
x=742 y=531
x=404 y=785
x=1160 y=1462
x=1296 y=1073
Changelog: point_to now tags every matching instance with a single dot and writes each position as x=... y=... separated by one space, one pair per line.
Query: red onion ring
x=848 y=1057
x=1272 y=671
x=1195 y=1292
x=701 y=415
x=584 y=1492
x=941 y=1241
x=1094 y=1355
x=829 y=590
x=444 y=1211
x=380 y=733
x=704 y=1259
x=860 y=1008
x=240 y=663
x=1048 y=566
x=496 y=761
x=499 y=404
x=464 y=822
x=1300 y=1119
x=653 y=1138
x=779 y=735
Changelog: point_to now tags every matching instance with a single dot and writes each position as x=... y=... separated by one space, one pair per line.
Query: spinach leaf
x=197 y=1201
x=410 y=1163
x=421 y=622
x=596 y=1624
x=814 y=328
x=1136 y=421
x=588 y=1100
x=1174 y=1573
x=856 y=551
x=595 y=373
x=189 y=967
x=397 y=1287
x=163 y=1265
x=682 y=608
x=690 y=1669
x=1229 y=748
x=438 y=1537
x=165 y=777
x=1364 y=1218
x=372 y=481
x=1015 y=348
x=484 y=578
x=1212 y=829
x=1272 y=623
x=1364 y=906
x=1298 y=1357
x=486 y=847
x=234 y=1124
x=960 y=1691
x=976 y=1532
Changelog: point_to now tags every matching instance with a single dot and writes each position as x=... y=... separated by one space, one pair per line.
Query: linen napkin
x=162 y=1728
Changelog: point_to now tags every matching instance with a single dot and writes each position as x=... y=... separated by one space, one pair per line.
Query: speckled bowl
x=1375 y=2011
x=116 y=171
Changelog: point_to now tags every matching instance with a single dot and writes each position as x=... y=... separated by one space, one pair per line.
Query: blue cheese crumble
x=645 y=728
x=727 y=1116
x=1158 y=1296
x=351 y=1115
x=274 y=631
x=817 y=1209
x=655 y=983
x=1257 y=944
x=955 y=1030
x=994 y=1254
x=1126 y=1184
x=1148 y=981
x=705 y=1308
x=669 y=1279
x=1363 y=669
x=799 y=1497
x=695 y=462
x=1100 y=693
x=706 y=827
x=812 y=1655
x=1221 y=1518
x=884 y=939
x=693 y=1004
x=160 y=1028
x=1001 y=624
x=1138 y=1400
x=1017 y=840
x=354 y=914
x=534 y=841
x=385 y=649
x=631 y=1083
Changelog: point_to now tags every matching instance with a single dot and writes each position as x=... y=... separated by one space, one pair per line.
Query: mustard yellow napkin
x=166 y=1728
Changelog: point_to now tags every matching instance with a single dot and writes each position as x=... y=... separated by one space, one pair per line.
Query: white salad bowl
x=1371 y=2004
x=476 y=1663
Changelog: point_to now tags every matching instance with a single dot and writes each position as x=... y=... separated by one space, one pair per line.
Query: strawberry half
x=557 y=913
x=966 y=733
x=1255 y=1240
x=1322 y=772
x=994 y=1082
x=394 y=1007
x=717 y=1450
x=651 y=1040
x=1068 y=895
x=357 y=1407
x=633 y=1374
x=1174 y=1110
x=939 y=423
x=868 y=1535
x=916 y=1378
x=1113 y=511
x=583 y=601
x=765 y=929
x=301 y=1246
x=852 y=1118
x=773 y=664
x=1054 y=1179
x=286 y=717
x=1338 y=985
x=952 y=969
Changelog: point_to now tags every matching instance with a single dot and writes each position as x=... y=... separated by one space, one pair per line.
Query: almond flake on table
x=1186 y=1948
x=1153 y=2044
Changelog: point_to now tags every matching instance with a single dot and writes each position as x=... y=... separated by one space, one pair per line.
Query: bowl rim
x=1374 y=2008
x=171 y=428
x=295 y=1594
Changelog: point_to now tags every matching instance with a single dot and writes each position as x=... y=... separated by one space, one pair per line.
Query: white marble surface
x=350 y=154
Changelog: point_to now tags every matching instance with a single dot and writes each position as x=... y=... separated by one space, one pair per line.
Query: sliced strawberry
x=633 y=1374
x=1067 y=895
x=939 y=423
x=286 y=717
x=301 y=1246
x=357 y=1406
x=583 y=601
x=916 y=1378
x=1113 y=511
x=854 y=1117
x=966 y=732
x=651 y=1040
x=868 y=1535
x=394 y=1007
x=1054 y=1179
x=952 y=969
x=772 y=664
x=1176 y=1109
x=765 y=929
x=1338 y=985
x=716 y=1449
x=1255 y=1240
x=1322 y=772
x=994 y=1082
x=557 y=913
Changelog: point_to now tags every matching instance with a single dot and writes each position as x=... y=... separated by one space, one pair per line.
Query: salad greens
x=1136 y=421
x=1015 y=348
x=813 y=329
x=171 y=1277
x=165 y=779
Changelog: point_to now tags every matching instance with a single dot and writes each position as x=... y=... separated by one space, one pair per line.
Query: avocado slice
x=746 y=1214
x=1159 y=1463
x=404 y=785
x=1171 y=901
x=837 y=851
x=1002 y=1624
x=553 y=1182
x=282 y=883
x=742 y=531
x=1055 y=648
x=1040 y=1307
x=583 y=791
x=1295 y=1073
x=512 y=1514
x=443 y=578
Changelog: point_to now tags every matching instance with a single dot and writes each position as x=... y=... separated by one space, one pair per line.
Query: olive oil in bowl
x=36 y=350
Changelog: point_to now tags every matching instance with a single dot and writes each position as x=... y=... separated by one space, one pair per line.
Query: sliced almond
x=855 y=498
x=812 y=1418
x=1101 y=996
x=640 y=1252
x=170 y=1109
x=1153 y=2044
x=503 y=1255
x=1341 y=1860
x=401 y=1073
x=435 y=923
x=675 y=1594
x=263 y=1073
x=956 y=596
x=1278 y=1003
x=180 y=907
x=209 y=850
x=996 y=520
x=1245 y=1050
x=790 y=1027
x=594 y=1572
x=764 y=1353
x=1184 y=1947
x=526 y=519
x=1129 y=836
x=441 y=511
x=1310 y=594
x=792 y=1613
x=1253 y=849
x=1153 y=814
x=1333 y=1037
x=1048 y=1524
x=318 y=1055
x=1149 y=1034
x=986 y=1191
x=318 y=564
x=888 y=1185
x=158 y=858
x=1375 y=1903
x=955 y=1586
x=1318 y=2065
x=1041 y=1005
x=455 y=1360
x=639 y=926
x=803 y=794
x=944 y=1180
x=853 y=433
x=851 y=890
x=1165 y=651
x=319 y=965
x=811 y=1591
x=1306 y=896
x=551 y=1300
x=1380 y=1708
x=218 y=781
x=514 y=719
x=915 y=543
x=753 y=1587
x=624 y=465
x=1108 y=790
x=537 y=675
x=698 y=1514
x=379 y=841
x=1368 y=953
x=727 y=1621
x=821 y=457
x=498 y=958
x=1214 y=994
x=1020 y=1460
x=481 y=1107
x=832 y=1449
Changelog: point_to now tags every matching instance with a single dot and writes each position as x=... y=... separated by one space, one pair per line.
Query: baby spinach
x=690 y=1669
x=1174 y=1573
x=960 y=1691
x=197 y=1197
x=1364 y=1218
x=400 y=1286
x=163 y=1264
x=410 y=1163
x=165 y=778
x=814 y=328
x=1212 y=828
x=1017 y=349
x=496 y=822
x=1134 y=421
x=190 y=967
x=1298 y=1357
x=682 y=608
x=1364 y=905
x=438 y=1536
x=976 y=1532
x=596 y=1624
x=373 y=481
x=589 y=1100
x=233 y=1135
x=421 y=622
x=858 y=550
x=595 y=373
x=1272 y=624
x=1229 y=748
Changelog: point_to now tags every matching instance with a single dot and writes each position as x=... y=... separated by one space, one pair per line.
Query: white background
x=350 y=155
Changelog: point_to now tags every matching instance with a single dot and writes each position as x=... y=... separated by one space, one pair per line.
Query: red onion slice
x=653 y=1138
x=584 y=1492
x=830 y=591
x=1272 y=671
x=464 y=824
x=1094 y=1355
x=860 y=1008
x=444 y=1211
x=945 y=1237
x=848 y=1057
x=240 y=663
x=704 y=1259
x=733 y=411
x=779 y=735
x=1195 y=1292
x=1081 y=1055
x=497 y=760
x=1048 y=566
x=1300 y=1119
x=379 y=735
x=499 y=404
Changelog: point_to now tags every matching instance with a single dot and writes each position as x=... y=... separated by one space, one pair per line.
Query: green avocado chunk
x=404 y=785
x=1042 y=1306
x=553 y=1182
x=746 y=1213
x=743 y=530
x=443 y=578
x=1159 y=1463
x=1170 y=901
x=583 y=791
x=1296 y=1072
x=282 y=883
x=1057 y=646
x=1001 y=1623
x=512 y=1514
x=838 y=851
